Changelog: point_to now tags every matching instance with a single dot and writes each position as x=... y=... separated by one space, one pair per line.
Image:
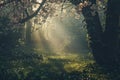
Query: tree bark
x=103 y=45
x=95 y=32
x=110 y=36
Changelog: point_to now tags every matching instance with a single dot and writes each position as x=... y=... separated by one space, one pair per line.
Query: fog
x=63 y=32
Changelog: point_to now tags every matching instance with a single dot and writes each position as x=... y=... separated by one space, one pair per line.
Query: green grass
x=24 y=63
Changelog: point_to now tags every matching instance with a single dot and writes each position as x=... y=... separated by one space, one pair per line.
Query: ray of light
x=61 y=32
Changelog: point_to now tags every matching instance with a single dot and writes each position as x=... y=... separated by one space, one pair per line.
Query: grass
x=31 y=64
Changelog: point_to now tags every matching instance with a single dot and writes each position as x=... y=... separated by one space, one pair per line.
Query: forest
x=59 y=39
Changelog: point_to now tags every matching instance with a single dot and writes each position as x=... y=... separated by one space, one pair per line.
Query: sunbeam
x=62 y=33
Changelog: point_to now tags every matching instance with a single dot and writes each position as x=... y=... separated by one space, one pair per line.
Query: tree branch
x=26 y=11
x=34 y=14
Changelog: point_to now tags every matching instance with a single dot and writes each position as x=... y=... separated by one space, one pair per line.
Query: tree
x=21 y=9
x=104 y=44
x=20 y=12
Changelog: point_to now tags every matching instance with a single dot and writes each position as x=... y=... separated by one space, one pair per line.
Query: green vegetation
x=25 y=63
x=46 y=40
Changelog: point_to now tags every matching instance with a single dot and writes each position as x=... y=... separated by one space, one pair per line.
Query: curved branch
x=34 y=14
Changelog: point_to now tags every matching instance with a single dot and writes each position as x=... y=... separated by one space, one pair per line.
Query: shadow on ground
x=24 y=63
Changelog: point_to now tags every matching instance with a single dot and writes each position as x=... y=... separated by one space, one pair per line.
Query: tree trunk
x=28 y=32
x=103 y=45
x=110 y=36
x=94 y=29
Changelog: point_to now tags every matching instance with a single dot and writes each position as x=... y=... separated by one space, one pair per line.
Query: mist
x=62 y=33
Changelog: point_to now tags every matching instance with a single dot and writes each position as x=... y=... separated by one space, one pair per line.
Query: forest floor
x=33 y=64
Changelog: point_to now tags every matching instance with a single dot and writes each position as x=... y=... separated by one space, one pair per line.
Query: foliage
x=9 y=35
x=20 y=62
x=25 y=63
